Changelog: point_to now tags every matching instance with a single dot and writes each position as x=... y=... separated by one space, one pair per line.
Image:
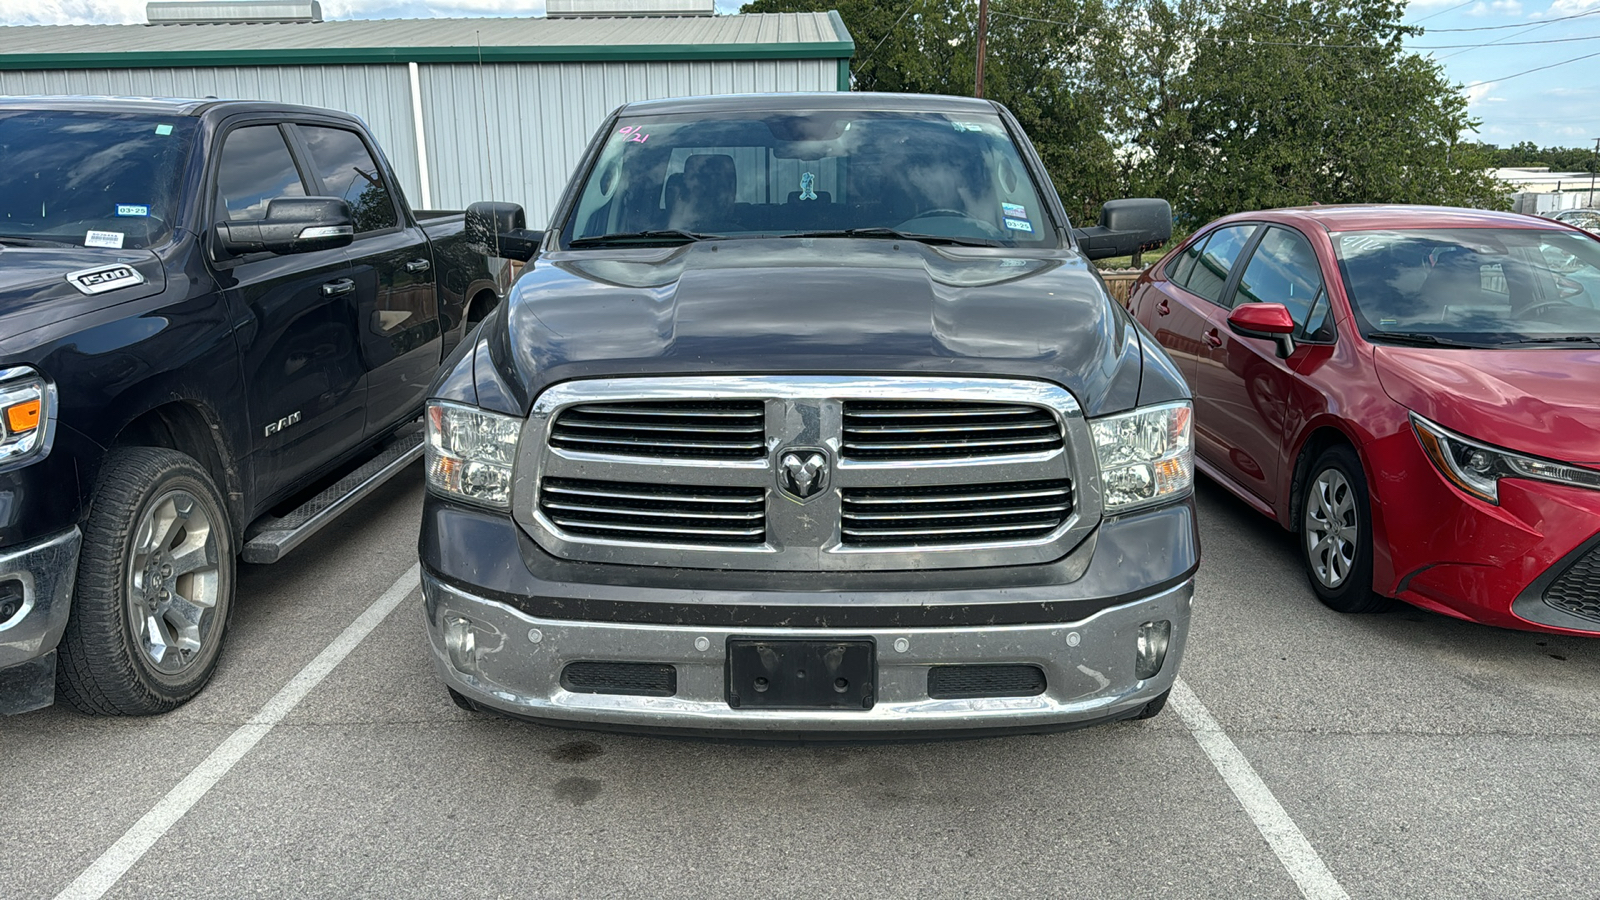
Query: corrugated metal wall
x=506 y=132
x=380 y=95
x=540 y=117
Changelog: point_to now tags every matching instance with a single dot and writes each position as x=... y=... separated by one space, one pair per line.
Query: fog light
x=12 y=598
x=1151 y=648
x=461 y=642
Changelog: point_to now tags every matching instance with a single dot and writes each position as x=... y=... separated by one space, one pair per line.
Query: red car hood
x=1539 y=401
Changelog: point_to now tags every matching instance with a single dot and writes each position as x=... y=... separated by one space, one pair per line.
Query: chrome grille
x=655 y=513
x=955 y=514
x=675 y=429
x=932 y=429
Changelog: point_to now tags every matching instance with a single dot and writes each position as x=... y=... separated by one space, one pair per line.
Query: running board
x=272 y=538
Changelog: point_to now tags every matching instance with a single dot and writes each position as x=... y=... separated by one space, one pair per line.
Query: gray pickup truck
x=810 y=416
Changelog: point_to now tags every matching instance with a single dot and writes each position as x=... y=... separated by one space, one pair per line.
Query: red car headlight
x=1477 y=468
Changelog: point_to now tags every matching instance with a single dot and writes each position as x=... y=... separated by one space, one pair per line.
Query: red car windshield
x=1478 y=286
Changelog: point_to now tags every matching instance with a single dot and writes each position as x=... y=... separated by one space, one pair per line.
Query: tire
x=1154 y=707
x=460 y=700
x=154 y=589
x=1335 y=534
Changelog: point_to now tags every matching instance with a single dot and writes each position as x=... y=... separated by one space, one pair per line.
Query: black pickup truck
x=811 y=416
x=218 y=322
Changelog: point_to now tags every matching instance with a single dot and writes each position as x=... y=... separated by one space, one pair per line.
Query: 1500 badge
x=101 y=279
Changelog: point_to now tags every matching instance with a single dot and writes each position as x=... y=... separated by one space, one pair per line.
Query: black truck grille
x=677 y=429
x=636 y=679
x=934 y=429
x=965 y=682
x=655 y=513
x=1577 y=591
x=956 y=514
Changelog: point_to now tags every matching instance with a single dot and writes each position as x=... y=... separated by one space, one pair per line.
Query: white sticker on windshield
x=1014 y=210
x=111 y=239
x=132 y=209
x=163 y=129
x=1019 y=225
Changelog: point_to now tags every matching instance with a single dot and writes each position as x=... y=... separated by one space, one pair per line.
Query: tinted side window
x=255 y=168
x=1283 y=269
x=1180 y=268
x=1212 y=268
x=347 y=170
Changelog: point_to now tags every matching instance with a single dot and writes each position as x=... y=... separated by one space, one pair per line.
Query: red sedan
x=1415 y=391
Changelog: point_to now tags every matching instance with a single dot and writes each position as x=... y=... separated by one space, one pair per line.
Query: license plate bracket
x=799 y=674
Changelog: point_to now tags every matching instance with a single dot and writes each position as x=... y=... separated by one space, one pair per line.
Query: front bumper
x=515 y=662
x=43 y=574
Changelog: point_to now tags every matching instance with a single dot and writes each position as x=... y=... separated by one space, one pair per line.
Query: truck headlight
x=471 y=453
x=27 y=410
x=1146 y=456
x=1477 y=468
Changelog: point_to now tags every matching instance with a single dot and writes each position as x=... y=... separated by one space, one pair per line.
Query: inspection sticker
x=111 y=239
x=1014 y=210
x=1019 y=225
x=163 y=129
x=132 y=209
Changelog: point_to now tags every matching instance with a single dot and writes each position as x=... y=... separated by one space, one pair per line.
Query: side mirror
x=1265 y=321
x=1127 y=227
x=501 y=229
x=292 y=225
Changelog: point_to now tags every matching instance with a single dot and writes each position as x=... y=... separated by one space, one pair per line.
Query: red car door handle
x=1162 y=308
x=1213 y=338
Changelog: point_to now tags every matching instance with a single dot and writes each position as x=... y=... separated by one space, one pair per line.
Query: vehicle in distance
x=812 y=417
x=208 y=311
x=1409 y=389
x=1587 y=219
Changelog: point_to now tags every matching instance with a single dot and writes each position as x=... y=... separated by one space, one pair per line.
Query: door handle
x=1213 y=338
x=335 y=288
x=1162 y=308
x=418 y=265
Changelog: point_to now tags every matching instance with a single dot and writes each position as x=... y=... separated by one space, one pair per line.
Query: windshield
x=767 y=173
x=90 y=179
x=1488 y=286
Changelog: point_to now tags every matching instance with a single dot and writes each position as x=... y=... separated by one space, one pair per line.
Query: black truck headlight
x=1146 y=456
x=471 y=453
x=1477 y=468
x=27 y=411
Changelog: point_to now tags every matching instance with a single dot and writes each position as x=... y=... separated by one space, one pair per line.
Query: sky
x=1556 y=106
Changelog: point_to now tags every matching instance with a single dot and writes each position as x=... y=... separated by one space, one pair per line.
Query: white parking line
x=1283 y=836
x=104 y=873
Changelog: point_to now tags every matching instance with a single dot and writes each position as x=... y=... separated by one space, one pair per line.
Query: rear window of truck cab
x=751 y=173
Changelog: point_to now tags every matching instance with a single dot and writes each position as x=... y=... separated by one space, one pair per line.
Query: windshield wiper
x=1420 y=339
x=20 y=241
x=630 y=237
x=890 y=233
x=1563 y=339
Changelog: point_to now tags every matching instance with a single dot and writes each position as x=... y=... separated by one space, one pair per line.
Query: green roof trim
x=356 y=56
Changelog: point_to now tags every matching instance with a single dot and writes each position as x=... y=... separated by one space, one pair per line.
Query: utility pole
x=983 y=38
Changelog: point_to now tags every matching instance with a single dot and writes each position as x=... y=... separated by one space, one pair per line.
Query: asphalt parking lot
x=1405 y=754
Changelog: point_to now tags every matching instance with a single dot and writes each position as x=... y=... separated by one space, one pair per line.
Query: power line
x=1538 y=69
x=1443 y=11
x=1591 y=12
x=863 y=60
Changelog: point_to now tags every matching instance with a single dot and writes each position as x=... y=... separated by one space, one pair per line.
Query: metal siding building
x=506 y=105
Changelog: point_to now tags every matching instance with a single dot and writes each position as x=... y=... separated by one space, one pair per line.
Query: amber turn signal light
x=23 y=417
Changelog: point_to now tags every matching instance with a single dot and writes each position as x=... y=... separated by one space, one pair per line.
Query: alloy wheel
x=1332 y=528
x=172 y=582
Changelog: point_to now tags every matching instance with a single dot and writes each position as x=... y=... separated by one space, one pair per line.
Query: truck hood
x=34 y=279
x=819 y=306
x=1538 y=401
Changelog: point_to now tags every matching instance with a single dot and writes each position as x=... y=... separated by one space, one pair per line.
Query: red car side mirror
x=1266 y=321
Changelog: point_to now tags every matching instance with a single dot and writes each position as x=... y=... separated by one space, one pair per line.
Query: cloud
x=1479 y=92
x=126 y=12
x=1496 y=8
x=1570 y=7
